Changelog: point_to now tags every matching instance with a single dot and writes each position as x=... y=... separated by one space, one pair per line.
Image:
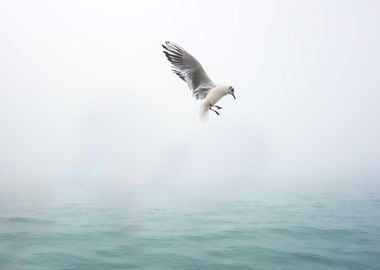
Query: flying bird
x=190 y=70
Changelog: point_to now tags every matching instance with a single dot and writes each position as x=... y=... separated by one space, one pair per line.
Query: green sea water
x=274 y=228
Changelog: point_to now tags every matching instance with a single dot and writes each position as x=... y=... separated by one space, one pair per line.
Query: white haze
x=87 y=98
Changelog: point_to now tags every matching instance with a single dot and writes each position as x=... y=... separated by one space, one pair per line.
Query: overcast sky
x=87 y=97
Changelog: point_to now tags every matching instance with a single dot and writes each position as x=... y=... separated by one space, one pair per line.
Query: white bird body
x=190 y=70
x=213 y=96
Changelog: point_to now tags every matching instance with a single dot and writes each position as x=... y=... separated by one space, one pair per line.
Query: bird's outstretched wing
x=188 y=69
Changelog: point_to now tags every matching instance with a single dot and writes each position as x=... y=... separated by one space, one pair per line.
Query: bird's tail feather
x=203 y=112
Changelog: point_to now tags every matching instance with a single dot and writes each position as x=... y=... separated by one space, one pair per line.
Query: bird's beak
x=233 y=95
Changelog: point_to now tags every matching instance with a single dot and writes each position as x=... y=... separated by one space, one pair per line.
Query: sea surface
x=334 y=227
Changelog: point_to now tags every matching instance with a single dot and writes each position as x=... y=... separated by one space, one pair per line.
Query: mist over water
x=329 y=227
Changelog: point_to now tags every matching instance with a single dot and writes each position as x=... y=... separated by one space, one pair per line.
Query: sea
x=329 y=226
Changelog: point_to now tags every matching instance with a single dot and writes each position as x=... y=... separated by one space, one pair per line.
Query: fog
x=87 y=98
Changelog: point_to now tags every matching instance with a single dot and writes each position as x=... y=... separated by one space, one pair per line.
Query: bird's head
x=231 y=91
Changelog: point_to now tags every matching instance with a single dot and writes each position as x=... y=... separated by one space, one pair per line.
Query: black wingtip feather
x=174 y=55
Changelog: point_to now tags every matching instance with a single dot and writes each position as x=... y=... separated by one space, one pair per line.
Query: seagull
x=190 y=70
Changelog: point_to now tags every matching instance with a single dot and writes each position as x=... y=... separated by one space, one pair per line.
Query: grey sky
x=86 y=95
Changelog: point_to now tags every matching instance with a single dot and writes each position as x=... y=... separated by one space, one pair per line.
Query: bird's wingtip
x=167 y=44
x=170 y=43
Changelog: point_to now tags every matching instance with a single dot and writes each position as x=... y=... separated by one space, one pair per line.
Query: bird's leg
x=210 y=108
x=218 y=107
